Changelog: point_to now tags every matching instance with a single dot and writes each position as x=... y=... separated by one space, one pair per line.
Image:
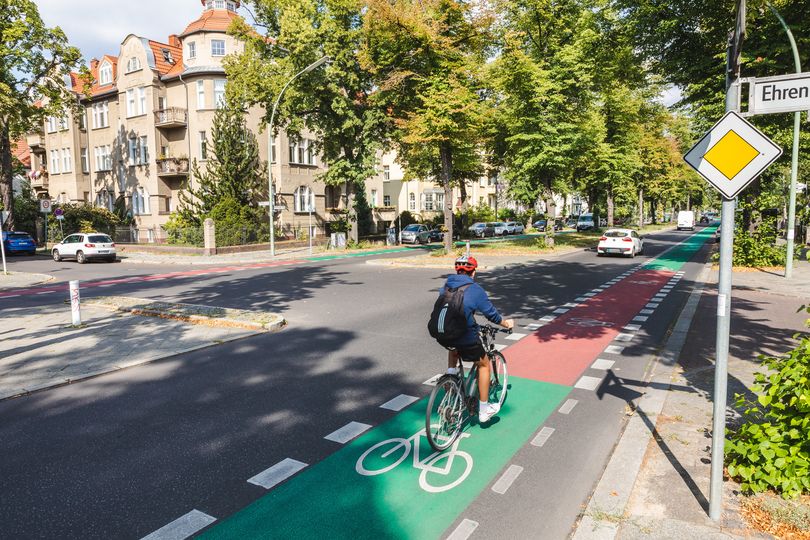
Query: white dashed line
x=515 y=336
x=647 y=311
x=602 y=363
x=46 y=292
x=16 y=295
x=568 y=406
x=624 y=337
x=632 y=327
x=560 y=311
x=580 y=299
x=347 y=432
x=500 y=346
x=277 y=473
x=399 y=402
x=542 y=436
x=614 y=349
x=652 y=305
x=507 y=479
x=464 y=530
x=182 y=527
x=532 y=326
x=660 y=295
x=640 y=318
x=589 y=294
x=547 y=318
x=433 y=380
x=570 y=305
x=588 y=383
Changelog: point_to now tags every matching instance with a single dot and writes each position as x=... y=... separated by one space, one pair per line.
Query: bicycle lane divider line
x=182 y=527
x=464 y=530
x=347 y=432
x=277 y=473
x=331 y=498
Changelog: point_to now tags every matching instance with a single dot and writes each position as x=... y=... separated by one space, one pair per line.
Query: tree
x=233 y=172
x=33 y=61
x=426 y=58
x=333 y=101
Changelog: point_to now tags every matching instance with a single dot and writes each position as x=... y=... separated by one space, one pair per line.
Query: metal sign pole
x=2 y=243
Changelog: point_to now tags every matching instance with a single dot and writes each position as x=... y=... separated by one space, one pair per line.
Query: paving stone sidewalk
x=39 y=348
x=14 y=280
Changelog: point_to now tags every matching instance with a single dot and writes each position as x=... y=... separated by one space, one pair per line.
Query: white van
x=686 y=220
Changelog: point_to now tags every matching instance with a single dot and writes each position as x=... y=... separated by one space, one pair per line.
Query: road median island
x=17 y=280
x=192 y=313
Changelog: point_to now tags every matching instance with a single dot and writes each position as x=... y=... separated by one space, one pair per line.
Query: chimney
x=174 y=41
x=93 y=63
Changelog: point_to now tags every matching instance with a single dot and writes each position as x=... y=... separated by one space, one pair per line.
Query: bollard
x=75 y=303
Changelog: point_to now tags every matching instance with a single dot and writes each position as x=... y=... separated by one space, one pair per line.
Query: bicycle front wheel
x=445 y=413
x=498 y=378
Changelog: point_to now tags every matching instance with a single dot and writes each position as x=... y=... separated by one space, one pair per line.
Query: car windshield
x=492 y=224
x=616 y=234
x=479 y=225
x=100 y=238
x=586 y=217
x=412 y=228
x=19 y=236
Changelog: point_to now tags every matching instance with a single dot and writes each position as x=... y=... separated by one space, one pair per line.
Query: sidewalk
x=14 y=280
x=656 y=484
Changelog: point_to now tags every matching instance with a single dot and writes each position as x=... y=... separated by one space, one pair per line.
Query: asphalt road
x=122 y=455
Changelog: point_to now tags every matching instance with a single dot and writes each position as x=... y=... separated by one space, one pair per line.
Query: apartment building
x=148 y=115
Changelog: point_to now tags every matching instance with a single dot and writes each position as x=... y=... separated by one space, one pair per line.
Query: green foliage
x=26 y=210
x=236 y=224
x=406 y=218
x=82 y=217
x=181 y=232
x=480 y=213
x=771 y=449
x=755 y=233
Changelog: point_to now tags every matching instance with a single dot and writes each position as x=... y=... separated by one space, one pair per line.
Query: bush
x=236 y=225
x=81 y=217
x=771 y=449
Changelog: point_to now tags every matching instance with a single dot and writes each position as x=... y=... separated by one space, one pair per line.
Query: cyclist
x=469 y=347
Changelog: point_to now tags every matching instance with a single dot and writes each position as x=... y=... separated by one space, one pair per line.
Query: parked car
x=85 y=247
x=435 y=235
x=482 y=230
x=415 y=233
x=500 y=228
x=625 y=242
x=18 y=242
x=571 y=222
x=686 y=220
x=515 y=227
x=585 y=222
x=540 y=224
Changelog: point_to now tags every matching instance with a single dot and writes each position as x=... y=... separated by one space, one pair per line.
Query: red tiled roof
x=161 y=64
x=96 y=88
x=20 y=150
x=214 y=20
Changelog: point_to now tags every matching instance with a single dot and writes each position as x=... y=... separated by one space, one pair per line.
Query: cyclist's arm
x=487 y=309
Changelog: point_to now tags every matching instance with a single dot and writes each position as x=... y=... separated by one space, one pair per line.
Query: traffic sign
x=59 y=217
x=58 y=212
x=45 y=206
x=732 y=154
x=783 y=93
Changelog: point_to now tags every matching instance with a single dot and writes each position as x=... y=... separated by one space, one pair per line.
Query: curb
x=614 y=488
x=41 y=278
x=394 y=262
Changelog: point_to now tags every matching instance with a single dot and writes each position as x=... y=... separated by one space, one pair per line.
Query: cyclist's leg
x=452 y=362
x=483 y=378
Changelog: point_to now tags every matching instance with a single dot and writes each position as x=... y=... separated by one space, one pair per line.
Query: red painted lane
x=152 y=277
x=560 y=351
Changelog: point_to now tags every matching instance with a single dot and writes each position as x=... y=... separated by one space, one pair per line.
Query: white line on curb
x=500 y=346
x=568 y=406
x=464 y=530
x=588 y=383
x=507 y=479
x=182 y=527
x=277 y=473
x=560 y=311
x=640 y=318
x=532 y=326
x=624 y=337
x=548 y=318
x=515 y=336
x=399 y=402
x=652 y=305
x=602 y=363
x=347 y=432
x=647 y=311
x=632 y=327
x=614 y=349
x=542 y=436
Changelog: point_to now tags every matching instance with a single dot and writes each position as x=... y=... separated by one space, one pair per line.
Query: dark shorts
x=471 y=353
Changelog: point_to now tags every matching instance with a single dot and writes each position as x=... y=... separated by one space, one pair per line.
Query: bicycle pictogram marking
x=427 y=466
x=585 y=322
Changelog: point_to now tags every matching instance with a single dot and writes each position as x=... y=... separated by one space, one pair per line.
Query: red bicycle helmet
x=468 y=264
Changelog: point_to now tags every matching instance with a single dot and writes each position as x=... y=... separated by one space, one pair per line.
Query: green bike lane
x=341 y=496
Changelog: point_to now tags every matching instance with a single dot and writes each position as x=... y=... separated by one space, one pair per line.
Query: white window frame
x=386 y=200
x=105 y=75
x=133 y=64
x=412 y=202
x=67 y=165
x=301 y=196
x=141 y=100
x=427 y=201
x=273 y=154
x=200 y=95
x=219 y=4
x=101 y=118
x=386 y=173
x=51 y=124
x=439 y=202
x=132 y=153
x=130 y=102
x=143 y=150
x=203 y=145
x=63 y=123
x=85 y=160
x=373 y=199
x=231 y=5
x=140 y=201
x=216 y=50
x=54 y=162
x=192 y=50
x=219 y=93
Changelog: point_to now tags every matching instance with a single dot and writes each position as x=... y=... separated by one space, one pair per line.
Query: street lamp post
x=314 y=65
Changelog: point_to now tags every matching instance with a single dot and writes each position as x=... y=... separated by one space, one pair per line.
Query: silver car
x=515 y=227
x=85 y=247
x=415 y=234
x=500 y=228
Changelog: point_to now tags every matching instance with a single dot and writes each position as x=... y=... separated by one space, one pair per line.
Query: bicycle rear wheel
x=445 y=413
x=498 y=378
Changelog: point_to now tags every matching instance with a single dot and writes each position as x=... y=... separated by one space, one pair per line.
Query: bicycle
x=455 y=395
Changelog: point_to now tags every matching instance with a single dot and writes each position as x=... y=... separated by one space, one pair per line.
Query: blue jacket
x=475 y=300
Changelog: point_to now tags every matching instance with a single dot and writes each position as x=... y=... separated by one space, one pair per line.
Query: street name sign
x=732 y=154
x=784 y=93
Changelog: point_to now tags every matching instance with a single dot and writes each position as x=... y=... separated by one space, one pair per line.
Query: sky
x=98 y=27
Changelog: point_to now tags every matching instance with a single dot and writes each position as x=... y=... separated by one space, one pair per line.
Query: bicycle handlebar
x=495 y=329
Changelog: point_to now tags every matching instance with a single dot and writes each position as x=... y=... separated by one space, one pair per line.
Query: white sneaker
x=487 y=412
x=452 y=371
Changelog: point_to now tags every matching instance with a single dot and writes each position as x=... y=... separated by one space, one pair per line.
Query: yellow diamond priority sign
x=732 y=154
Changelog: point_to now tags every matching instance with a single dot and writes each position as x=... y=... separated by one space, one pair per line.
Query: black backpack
x=447 y=322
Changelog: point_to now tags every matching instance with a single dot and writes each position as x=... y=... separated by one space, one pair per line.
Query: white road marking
x=602 y=363
x=399 y=402
x=433 y=380
x=547 y=318
x=652 y=305
x=568 y=305
x=580 y=299
x=532 y=326
x=624 y=337
x=632 y=327
x=515 y=336
x=507 y=479
x=588 y=383
x=182 y=527
x=500 y=346
x=464 y=530
x=614 y=349
x=560 y=311
x=647 y=311
x=660 y=295
x=640 y=318
x=46 y=292
x=568 y=406
x=542 y=436
x=16 y=295
x=588 y=294
x=277 y=473
x=347 y=432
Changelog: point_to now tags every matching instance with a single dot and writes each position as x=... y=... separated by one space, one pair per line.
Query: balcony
x=172 y=166
x=171 y=118
x=36 y=142
x=39 y=179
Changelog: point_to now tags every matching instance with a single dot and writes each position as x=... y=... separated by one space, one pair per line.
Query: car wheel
x=81 y=258
x=56 y=256
x=633 y=253
x=111 y=259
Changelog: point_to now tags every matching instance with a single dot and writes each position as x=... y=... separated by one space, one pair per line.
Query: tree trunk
x=446 y=156
x=6 y=178
x=654 y=210
x=463 y=209
x=354 y=232
x=640 y=208
x=551 y=214
x=610 y=207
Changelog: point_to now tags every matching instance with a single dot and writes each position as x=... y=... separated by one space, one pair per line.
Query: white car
x=686 y=220
x=515 y=227
x=500 y=228
x=625 y=242
x=84 y=247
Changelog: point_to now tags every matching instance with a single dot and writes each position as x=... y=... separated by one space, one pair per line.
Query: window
x=51 y=122
x=303 y=152
x=133 y=150
x=167 y=56
x=134 y=64
x=304 y=199
x=217 y=47
x=85 y=161
x=82 y=120
x=104 y=199
x=219 y=93
x=67 y=162
x=103 y=158
x=54 y=162
x=386 y=173
x=142 y=100
x=203 y=146
x=373 y=201
x=310 y=152
x=439 y=200
x=131 y=102
x=136 y=101
x=200 y=95
x=101 y=116
x=428 y=204
x=192 y=50
x=144 y=150
x=273 y=149
x=412 y=202
x=63 y=123
x=232 y=6
x=386 y=200
x=105 y=73
x=140 y=202
x=219 y=4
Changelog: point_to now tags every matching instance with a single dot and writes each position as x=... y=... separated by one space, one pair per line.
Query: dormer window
x=219 y=4
x=105 y=73
x=167 y=56
x=134 y=64
x=231 y=6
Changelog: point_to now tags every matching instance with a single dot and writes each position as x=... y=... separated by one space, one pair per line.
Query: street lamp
x=314 y=65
